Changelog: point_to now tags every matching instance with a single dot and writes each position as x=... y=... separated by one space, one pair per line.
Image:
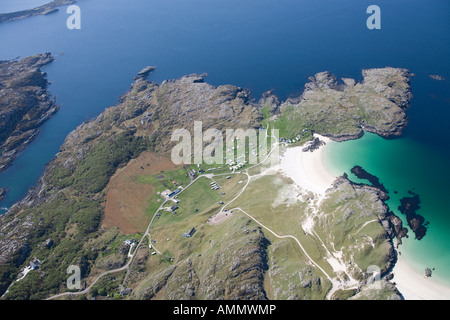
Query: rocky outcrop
x=409 y=206
x=313 y=145
x=270 y=100
x=390 y=222
x=41 y=10
x=25 y=104
x=144 y=73
x=436 y=77
x=2 y=193
x=363 y=174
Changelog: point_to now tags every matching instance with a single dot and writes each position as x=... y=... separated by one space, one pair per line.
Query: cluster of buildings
x=294 y=140
x=214 y=186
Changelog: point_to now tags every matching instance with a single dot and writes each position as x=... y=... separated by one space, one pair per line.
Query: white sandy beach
x=306 y=169
x=414 y=286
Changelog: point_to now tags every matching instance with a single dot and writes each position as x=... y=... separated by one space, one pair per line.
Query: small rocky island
x=2 y=193
x=409 y=206
x=25 y=104
x=437 y=77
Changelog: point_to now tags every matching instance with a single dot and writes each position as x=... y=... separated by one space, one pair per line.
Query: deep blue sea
x=260 y=45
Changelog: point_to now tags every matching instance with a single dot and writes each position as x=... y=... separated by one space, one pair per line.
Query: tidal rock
x=409 y=206
x=3 y=193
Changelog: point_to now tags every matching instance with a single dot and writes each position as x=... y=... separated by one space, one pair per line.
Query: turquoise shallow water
x=402 y=165
x=260 y=45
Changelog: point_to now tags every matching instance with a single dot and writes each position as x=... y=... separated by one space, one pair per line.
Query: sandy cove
x=307 y=169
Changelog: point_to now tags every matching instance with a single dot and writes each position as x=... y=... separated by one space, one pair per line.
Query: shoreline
x=307 y=169
x=414 y=286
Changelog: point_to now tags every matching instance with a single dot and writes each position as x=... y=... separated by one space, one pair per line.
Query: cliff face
x=25 y=104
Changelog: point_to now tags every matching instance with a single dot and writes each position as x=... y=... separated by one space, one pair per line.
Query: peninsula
x=25 y=104
x=107 y=204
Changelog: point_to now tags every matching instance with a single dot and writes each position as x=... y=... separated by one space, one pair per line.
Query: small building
x=125 y=291
x=173 y=208
x=189 y=234
x=192 y=173
x=34 y=264
x=129 y=242
x=174 y=193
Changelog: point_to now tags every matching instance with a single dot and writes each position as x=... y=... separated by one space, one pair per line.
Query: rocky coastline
x=45 y=9
x=345 y=110
x=363 y=174
x=70 y=192
x=391 y=222
x=25 y=104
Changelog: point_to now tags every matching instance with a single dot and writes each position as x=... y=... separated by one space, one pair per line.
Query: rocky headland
x=363 y=174
x=45 y=9
x=344 y=110
x=25 y=104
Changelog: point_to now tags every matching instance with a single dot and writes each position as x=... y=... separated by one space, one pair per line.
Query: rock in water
x=2 y=193
x=409 y=206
